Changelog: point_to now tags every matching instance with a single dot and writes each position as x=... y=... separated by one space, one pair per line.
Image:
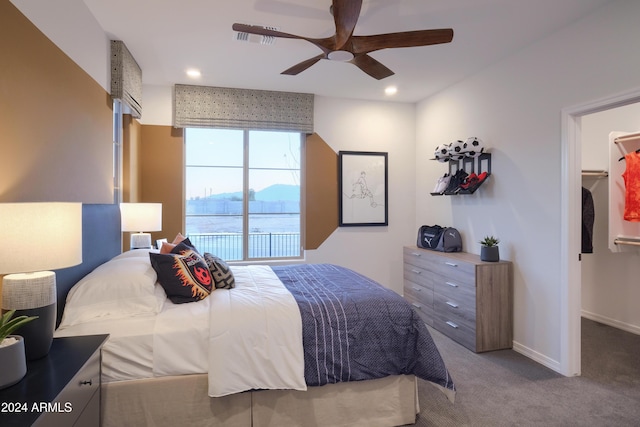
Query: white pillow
x=135 y=253
x=119 y=288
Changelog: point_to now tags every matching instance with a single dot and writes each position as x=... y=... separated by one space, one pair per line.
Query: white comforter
x=253 y=339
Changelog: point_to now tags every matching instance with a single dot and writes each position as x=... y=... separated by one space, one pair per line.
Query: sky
x=223 y=148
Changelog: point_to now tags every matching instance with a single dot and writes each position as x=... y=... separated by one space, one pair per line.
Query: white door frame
x=570 y=241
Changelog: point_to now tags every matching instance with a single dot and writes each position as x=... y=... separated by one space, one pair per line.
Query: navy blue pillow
x=183 y=274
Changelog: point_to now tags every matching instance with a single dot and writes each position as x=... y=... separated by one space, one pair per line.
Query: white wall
x=373 y=126
x=610 y=290
x=515 y=107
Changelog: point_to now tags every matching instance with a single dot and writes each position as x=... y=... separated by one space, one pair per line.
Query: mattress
x=128 y=353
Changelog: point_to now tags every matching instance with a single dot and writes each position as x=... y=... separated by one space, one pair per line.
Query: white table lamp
x=138 y=218
x=36 y=237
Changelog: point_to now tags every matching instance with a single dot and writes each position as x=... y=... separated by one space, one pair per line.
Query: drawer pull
x=453 y=285
x=453 y=325
x=452 y=304
x=416 y=271
x=418 y=306
x=451 y=264
x=417 y=288
x=417 y=254
x=89 y=383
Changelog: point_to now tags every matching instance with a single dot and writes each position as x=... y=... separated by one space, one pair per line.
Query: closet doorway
x=609 y=279
x=599 y=287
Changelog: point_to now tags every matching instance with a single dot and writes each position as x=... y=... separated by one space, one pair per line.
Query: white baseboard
x=538 y=357
x=634 y=329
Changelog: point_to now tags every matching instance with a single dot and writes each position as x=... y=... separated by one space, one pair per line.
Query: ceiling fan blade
x=345 y=16
x=366 y=44
x=372 y=67
x=326 y=44
x=298 y=68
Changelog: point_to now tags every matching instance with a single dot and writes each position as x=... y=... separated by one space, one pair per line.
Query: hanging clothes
x=631 y=177
x=588 y=218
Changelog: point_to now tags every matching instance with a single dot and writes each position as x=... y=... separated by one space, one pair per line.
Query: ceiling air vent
x=254 y=38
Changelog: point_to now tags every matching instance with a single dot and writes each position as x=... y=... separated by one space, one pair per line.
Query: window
x=243 y=192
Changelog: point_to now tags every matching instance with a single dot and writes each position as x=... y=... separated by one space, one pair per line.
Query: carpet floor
x=505 y=388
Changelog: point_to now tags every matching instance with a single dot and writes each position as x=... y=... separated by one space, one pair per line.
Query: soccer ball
x=456 y=150
x=473 y=147
x=442 y=153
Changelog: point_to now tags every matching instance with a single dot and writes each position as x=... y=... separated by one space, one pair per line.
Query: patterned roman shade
x=126 y=78
x=204 y=106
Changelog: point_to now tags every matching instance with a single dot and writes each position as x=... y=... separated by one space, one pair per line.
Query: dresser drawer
x=458 y=311
x=457 y=265
x=418 y=293
x=457 y=331
x=417 y=275
x=75 y=396
x=425 y=311
x=422 y=259
x=453 y=288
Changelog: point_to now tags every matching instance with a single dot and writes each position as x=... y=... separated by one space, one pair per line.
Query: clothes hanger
x=622 y=158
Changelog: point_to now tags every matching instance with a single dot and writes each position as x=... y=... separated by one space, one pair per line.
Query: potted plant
x=490 y=250
x=12 y=356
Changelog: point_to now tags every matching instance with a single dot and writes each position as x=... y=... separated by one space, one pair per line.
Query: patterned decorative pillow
x=168 y=248
x=222 y=274
x=183 y=274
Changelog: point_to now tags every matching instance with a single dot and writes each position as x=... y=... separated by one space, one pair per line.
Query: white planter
x=13 y=362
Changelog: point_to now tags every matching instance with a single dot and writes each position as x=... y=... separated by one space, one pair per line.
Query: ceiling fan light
x=340 y=55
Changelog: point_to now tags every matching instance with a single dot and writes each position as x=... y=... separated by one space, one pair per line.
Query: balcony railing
x=228 y=246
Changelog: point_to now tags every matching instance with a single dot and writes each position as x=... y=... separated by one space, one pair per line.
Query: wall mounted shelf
x=480 y=166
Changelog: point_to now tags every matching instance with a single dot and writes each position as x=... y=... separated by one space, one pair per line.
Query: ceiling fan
x=344 y=46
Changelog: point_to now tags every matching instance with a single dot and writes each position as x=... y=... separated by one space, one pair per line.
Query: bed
x=245 y=363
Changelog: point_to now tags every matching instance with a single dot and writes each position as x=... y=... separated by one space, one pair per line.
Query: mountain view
x=273 y=193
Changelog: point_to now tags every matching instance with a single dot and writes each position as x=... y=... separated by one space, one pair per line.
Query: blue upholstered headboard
x=101 y=241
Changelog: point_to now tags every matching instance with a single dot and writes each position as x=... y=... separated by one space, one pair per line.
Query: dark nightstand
x=60 y=389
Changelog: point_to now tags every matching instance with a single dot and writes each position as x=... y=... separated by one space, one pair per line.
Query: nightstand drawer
x=73 y=399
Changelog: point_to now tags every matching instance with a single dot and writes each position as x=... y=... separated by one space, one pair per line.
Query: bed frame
x=183 y=400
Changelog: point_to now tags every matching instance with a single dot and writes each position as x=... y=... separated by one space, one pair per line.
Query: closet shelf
x=596 y=173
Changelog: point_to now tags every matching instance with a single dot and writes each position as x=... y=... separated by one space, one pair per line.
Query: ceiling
x=169 y=36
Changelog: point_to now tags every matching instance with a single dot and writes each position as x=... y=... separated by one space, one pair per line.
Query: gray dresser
x=466 y=299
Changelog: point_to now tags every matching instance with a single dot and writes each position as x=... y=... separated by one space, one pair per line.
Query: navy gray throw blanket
x=355 y=329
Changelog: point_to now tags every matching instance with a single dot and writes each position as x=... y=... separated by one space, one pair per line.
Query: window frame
x=246 y=169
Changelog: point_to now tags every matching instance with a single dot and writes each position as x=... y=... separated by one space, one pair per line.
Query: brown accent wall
x=162 y=175
x=321 y=191
x=55 y=121
x=131 y=143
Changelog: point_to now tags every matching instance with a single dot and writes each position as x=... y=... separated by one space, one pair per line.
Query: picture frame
x=363 y=188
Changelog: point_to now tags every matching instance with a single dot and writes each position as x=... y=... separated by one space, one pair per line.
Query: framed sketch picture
x=363 y=188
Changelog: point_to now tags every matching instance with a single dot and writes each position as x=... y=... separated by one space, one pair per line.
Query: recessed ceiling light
x=391 y=90
x=193 y=73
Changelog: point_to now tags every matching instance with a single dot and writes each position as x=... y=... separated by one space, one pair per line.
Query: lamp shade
x=40 y=236
x=141 y=216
